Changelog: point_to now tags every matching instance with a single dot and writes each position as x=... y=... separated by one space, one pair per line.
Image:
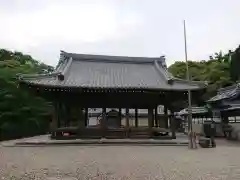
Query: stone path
x=120 y=162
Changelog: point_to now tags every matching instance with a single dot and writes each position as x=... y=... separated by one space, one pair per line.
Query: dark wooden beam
x=58 y=114
x=156 y=116
x=113 y=97
x=225 y=119
x=166 y=117
x=173 y=125
x=68 y=114
x=150 y=120
x=86 y=117
x=127 y=122
x=54 y=124
x=120 y=116
x=81 y=117
x=106 y=99
x=104 y=122
x=136 y=117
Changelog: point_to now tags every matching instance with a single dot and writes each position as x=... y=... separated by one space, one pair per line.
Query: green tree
x=216 y=71
x=235 y=65
x=21 y=113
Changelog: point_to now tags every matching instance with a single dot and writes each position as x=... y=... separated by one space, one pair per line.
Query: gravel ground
x=119 y=162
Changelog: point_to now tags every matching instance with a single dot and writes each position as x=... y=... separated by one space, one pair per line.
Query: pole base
x=192 y=141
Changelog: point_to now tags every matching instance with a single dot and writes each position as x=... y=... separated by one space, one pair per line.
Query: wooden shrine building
x=82 y=81
x=226 y=103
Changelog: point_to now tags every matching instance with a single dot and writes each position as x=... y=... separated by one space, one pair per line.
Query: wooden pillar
x=156 y=117
x=81 y=117
x=150 y=120
x=127 y=122
x=225 y=119
x=120 y=116
x=67 y=115
x=66 y=120
x=166 y=117
x=63 y=114
x=58 y=114
x=86 y=117
x=173 y=125
x=53 y=124
x=104 y=122
x=136 y=117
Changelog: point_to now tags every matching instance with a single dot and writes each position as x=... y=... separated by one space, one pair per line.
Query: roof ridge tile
x=112 y=58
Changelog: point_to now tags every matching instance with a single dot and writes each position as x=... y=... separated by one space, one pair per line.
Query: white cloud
x=82 y=23
x=119 y=27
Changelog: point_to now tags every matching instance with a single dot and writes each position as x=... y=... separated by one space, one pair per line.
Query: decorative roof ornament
x=163 y=61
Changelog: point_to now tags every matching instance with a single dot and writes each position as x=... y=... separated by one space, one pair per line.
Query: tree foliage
x=21 y=114
x=215 y=71
x=235 y=65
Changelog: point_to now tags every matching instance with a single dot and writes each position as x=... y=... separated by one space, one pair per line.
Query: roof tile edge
x=201 y=84
x=23 y=77
x=229 y=88
x=112 y=58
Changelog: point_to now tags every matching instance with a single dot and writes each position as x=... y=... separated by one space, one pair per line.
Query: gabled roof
x=226 y=93
x=195 y=110
x=118 y=72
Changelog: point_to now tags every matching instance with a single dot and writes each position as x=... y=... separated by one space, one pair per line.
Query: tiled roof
x=100 y=71
x=226 y=93
x=232 y=107
x=195 y=110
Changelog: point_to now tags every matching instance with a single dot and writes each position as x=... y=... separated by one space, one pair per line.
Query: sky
x=150 y=28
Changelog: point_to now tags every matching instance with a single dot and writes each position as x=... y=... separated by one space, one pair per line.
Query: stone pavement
x=119 y=162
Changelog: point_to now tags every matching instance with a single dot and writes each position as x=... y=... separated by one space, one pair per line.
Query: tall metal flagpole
x=190 y=133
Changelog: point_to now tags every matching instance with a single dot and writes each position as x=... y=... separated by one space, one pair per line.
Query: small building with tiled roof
x=227 y=102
